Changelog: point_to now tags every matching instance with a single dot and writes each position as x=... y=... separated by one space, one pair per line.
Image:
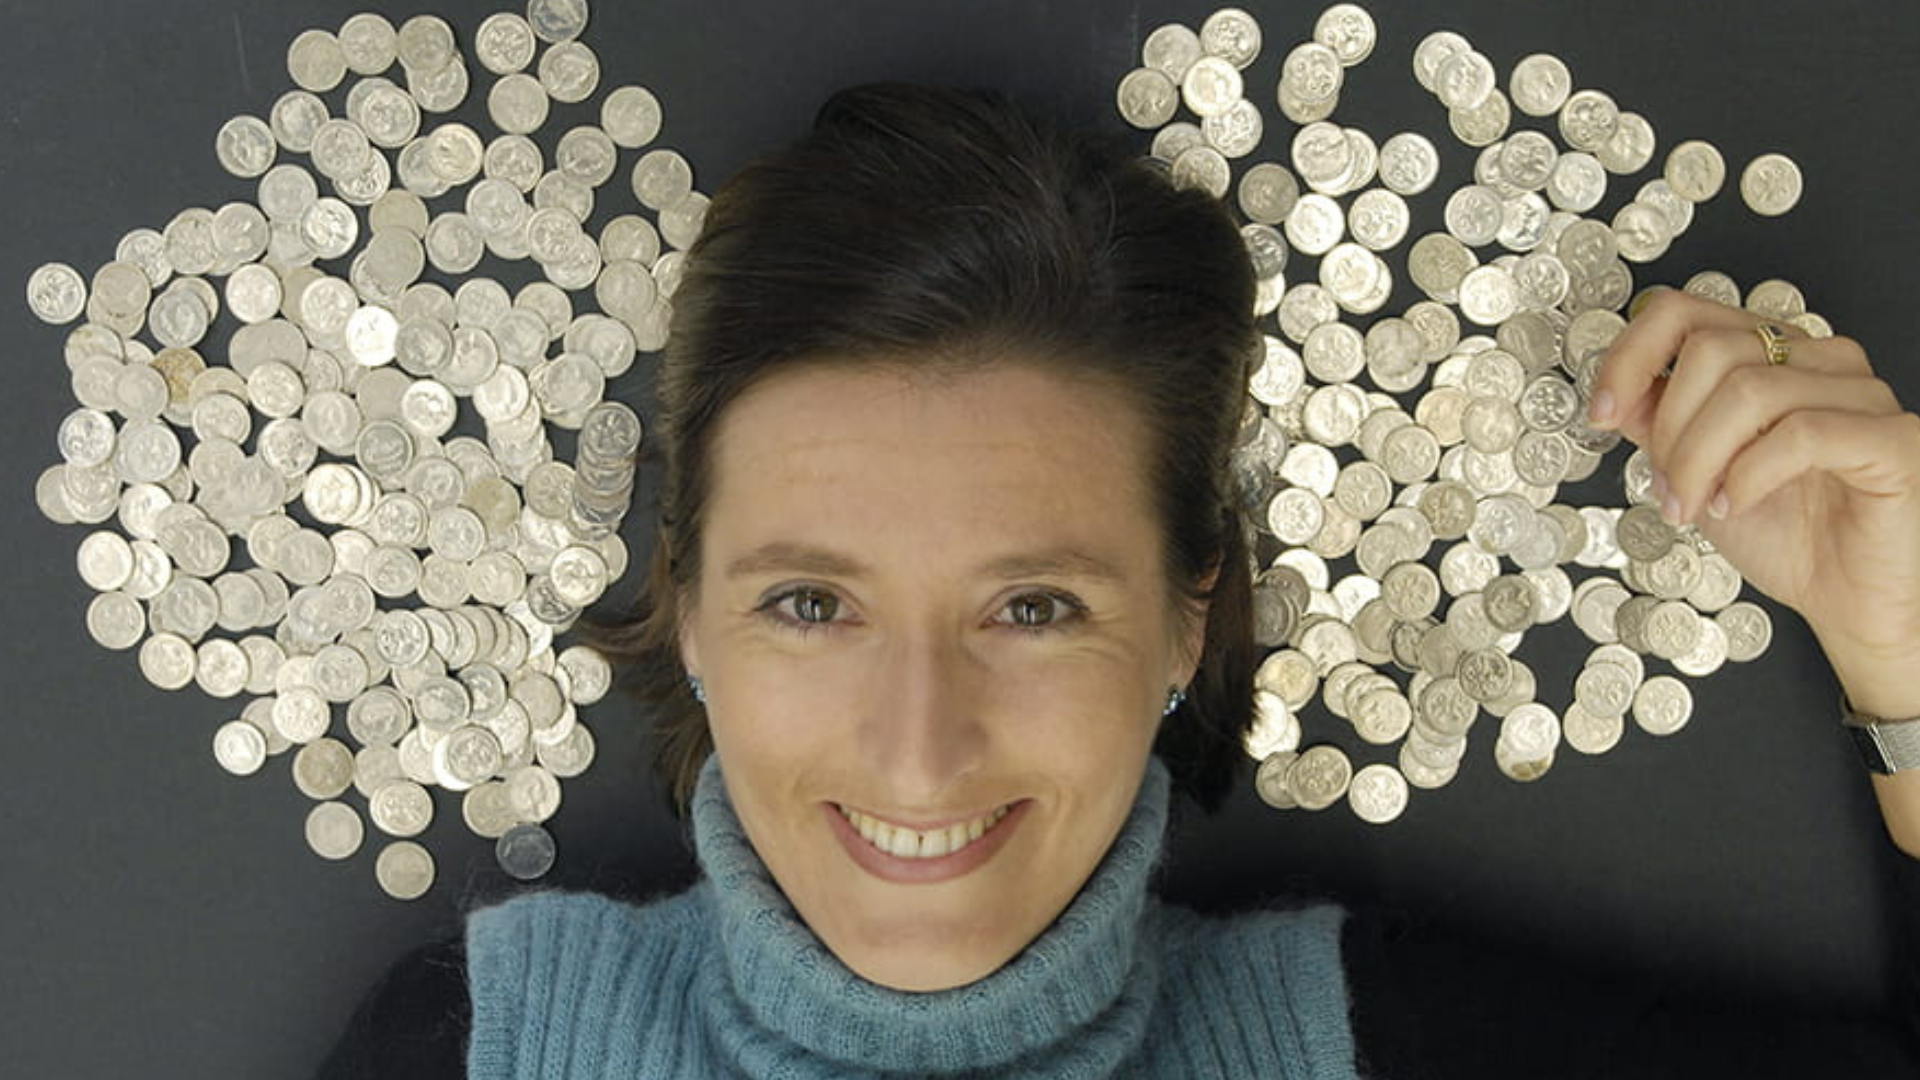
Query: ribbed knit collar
x=1043 y=1007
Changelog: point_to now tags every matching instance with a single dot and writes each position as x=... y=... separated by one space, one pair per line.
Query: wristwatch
x=1887 y=746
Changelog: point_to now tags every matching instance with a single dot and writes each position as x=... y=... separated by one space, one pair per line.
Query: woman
x=950 y=595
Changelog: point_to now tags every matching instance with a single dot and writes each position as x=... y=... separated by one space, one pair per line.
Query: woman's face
x=934 y=629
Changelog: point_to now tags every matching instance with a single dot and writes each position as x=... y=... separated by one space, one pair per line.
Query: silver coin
x=525 y=852
x=1662 y=705
x=1348 y=30
x=568 y=756
x=167 y=661
x=1540 y=84
x=1771 y=184
x=1378 y=794
x=240 y=748
x=368 y=42
x=400 y=807
x=323 y=769
x=570 y=71
x=334 y=830
x=245 y=146
x=1319 y=777
x=404 y=869
x=316 y=62
x=56 y=293
x=1270 y=781
x=1210 y=86
x=1147 y=98
x=504 y=43
x=116 y=620
x=631 y=116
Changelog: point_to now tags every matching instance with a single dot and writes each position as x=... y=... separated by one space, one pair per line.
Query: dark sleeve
x=1433 y=1004
x=412 y=1025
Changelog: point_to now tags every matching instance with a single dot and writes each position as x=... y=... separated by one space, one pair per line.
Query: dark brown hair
x=946 y=228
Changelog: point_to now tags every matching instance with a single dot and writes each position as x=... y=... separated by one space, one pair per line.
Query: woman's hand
x=1804 y=475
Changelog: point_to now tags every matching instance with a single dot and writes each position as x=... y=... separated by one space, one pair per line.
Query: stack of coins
x=1402 y=470
x=604 y=469
x=276 y=433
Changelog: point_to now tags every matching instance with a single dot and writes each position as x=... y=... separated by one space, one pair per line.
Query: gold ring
x=1775 y=339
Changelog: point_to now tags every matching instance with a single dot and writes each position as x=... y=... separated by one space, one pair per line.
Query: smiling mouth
x=905 y=843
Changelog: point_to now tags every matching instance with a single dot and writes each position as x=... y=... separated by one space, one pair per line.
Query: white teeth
x=907 y=843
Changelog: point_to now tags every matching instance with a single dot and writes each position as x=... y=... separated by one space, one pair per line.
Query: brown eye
x=1034 y=610
x=815 y=607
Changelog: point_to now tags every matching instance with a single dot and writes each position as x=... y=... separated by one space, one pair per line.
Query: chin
x=922 y=967
x=906 y=938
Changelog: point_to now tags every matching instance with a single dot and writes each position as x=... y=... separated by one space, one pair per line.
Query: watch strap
x=1886 y=746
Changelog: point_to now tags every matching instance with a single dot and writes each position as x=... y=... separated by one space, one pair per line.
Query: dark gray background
x=164 y=919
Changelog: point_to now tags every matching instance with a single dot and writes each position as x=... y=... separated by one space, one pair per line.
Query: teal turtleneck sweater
x=726 y=980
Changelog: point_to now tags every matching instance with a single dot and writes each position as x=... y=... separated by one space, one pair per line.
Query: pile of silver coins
x=269 y=393
x=1445 y=508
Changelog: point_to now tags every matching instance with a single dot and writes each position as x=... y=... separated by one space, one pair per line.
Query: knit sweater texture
x=726 y=980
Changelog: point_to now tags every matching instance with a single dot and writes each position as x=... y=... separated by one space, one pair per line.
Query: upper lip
x=929 y=824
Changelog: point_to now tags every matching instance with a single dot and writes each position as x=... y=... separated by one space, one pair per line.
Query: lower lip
x=922 y=871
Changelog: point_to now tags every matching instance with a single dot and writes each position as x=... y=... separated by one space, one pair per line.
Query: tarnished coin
x=323 y=769
x=334 y=830
x=1147 y=98
x=404 y=870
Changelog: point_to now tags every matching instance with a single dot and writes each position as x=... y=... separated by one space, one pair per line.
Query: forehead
x=1003 y=453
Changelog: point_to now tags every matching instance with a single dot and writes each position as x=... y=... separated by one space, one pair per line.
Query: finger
x=1704 y=358
x=1874 y=454
x=1748 y=402
x=1707 y=358
x=1642 y=350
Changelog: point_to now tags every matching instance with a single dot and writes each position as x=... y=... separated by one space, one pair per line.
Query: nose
x=921 y=730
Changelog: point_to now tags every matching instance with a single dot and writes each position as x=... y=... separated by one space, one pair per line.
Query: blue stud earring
x=699 y=691
x=1175 y=696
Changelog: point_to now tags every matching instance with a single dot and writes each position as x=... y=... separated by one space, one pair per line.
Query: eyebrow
x=784 y=556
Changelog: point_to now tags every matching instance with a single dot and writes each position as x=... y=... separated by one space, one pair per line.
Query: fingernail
x=1659 y=486
x=1670 y=509
x=1718 y=507
x=1600 y=409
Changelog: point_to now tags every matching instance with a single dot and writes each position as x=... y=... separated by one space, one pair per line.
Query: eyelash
x=1073 y=612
